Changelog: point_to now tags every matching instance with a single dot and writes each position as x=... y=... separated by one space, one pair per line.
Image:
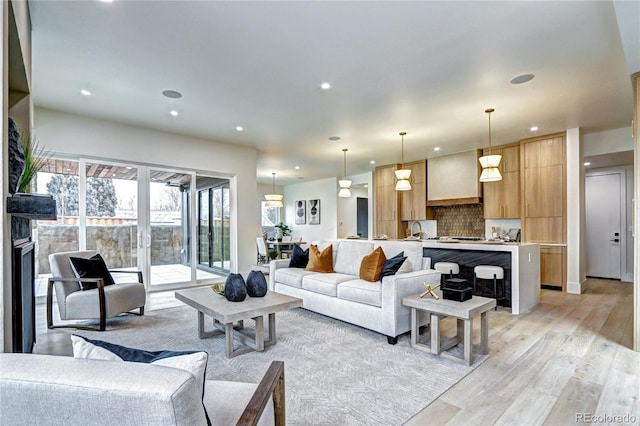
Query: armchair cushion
x=93 y=267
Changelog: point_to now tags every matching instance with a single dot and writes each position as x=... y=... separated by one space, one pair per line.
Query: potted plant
x=282 y=230
x=35 y=158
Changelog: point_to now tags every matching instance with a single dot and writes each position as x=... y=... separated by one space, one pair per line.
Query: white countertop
x=474 y=245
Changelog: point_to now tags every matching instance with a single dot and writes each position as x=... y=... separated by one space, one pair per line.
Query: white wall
x=326 y=190
x=347 y=212
x=608 y=141
x=76 y=136
x=347 y=207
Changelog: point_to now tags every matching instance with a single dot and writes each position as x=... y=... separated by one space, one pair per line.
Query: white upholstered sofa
x=344 y=296
x=61 y=390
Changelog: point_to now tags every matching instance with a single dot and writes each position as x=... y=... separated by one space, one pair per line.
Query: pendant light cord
x=402 y=135
x=344 y=150
x=489 y=111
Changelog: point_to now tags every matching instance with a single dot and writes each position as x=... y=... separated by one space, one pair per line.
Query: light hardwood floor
x=569 y=356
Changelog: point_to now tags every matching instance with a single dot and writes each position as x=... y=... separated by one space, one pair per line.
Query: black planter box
x=458 y=295
x=32 y=206
x=456 y=283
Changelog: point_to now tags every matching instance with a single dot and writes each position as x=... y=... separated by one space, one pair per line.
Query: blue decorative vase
x=235 y=289
x=256 y=284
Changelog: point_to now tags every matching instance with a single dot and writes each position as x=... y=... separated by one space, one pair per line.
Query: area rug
x=335 y=373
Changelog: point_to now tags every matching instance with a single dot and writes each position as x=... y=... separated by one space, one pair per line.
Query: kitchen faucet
x=419 y=234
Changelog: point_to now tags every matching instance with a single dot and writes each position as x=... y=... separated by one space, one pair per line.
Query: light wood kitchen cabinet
x=386 y=202
x=544 y=210
x=553 y=266
x=413 y=203
x=544 y=190
x=502 y=198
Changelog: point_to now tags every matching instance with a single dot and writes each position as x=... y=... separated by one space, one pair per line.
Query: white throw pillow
x=195 y=362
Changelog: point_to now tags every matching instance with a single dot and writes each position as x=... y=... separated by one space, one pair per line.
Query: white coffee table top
x=205 y=300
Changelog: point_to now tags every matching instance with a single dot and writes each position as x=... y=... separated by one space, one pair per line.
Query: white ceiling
x=427 y=68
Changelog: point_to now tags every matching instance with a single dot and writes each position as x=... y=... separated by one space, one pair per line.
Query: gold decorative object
x=218 y=288
x=429 y=291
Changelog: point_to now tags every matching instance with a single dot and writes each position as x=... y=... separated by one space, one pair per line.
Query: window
x=270 y=215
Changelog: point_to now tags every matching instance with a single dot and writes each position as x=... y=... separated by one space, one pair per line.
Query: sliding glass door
x=213 y=224
x=138 y=218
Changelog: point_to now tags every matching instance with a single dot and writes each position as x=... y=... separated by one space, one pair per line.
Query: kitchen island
x=520 y=261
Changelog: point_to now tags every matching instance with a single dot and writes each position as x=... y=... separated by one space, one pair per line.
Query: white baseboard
x=574 y=288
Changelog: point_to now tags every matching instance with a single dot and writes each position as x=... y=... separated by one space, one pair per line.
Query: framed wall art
x=314 y=212
x=301 y=212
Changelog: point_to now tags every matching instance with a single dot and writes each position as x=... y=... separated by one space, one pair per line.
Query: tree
x=101 y=195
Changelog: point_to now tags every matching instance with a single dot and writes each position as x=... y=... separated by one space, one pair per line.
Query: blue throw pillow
x=299 y=257
x=392 y=265
x=93 y=267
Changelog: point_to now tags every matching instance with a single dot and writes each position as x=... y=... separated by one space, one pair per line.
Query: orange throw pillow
x=371 y=265
x=320 y=262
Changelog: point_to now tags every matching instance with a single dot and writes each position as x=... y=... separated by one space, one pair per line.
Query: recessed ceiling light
x=325 y=86
x=239 y=128
x=85 y=92
x=366 y=185
x=334 y=138
x=297 y=167
x=173 y=94
x=372 y=162
x=533 y=128
x=437 y=148
x=587 y=163
x=522 y=78
x=173 y=112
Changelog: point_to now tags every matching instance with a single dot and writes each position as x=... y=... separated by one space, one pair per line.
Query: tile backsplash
x=465 y=220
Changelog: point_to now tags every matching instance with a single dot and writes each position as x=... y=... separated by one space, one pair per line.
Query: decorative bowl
x=218 y=288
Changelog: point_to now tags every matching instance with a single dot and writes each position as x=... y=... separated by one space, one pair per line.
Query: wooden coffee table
x=225 y=314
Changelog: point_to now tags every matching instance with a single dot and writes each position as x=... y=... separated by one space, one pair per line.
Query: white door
x=603 y=224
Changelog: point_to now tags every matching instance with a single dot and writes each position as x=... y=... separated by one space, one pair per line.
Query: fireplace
x=24 y=322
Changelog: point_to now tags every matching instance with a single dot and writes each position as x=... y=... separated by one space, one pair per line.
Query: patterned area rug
x=335 y=373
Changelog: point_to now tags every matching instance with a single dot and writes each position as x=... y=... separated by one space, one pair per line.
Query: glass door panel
x=111 y=214
x=204 y=230
x=58 y=178
x=213 y=225
x=169 y=227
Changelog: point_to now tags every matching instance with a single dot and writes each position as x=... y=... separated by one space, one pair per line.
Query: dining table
x=283 y=246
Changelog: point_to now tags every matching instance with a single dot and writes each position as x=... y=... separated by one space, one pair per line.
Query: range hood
x=453 y=179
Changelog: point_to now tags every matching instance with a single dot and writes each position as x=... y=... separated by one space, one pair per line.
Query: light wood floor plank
x=579 y=396
x=532 y=405
x=437 y=413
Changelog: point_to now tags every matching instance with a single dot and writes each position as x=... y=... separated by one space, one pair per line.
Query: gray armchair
x=99 y=303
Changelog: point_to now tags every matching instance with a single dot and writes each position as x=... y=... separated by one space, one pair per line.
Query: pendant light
x=402 y=175
x=489 y=163
x=273 y=199
x=345 y=184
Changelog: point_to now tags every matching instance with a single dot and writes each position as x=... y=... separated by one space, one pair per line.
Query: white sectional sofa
x=344 y=296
